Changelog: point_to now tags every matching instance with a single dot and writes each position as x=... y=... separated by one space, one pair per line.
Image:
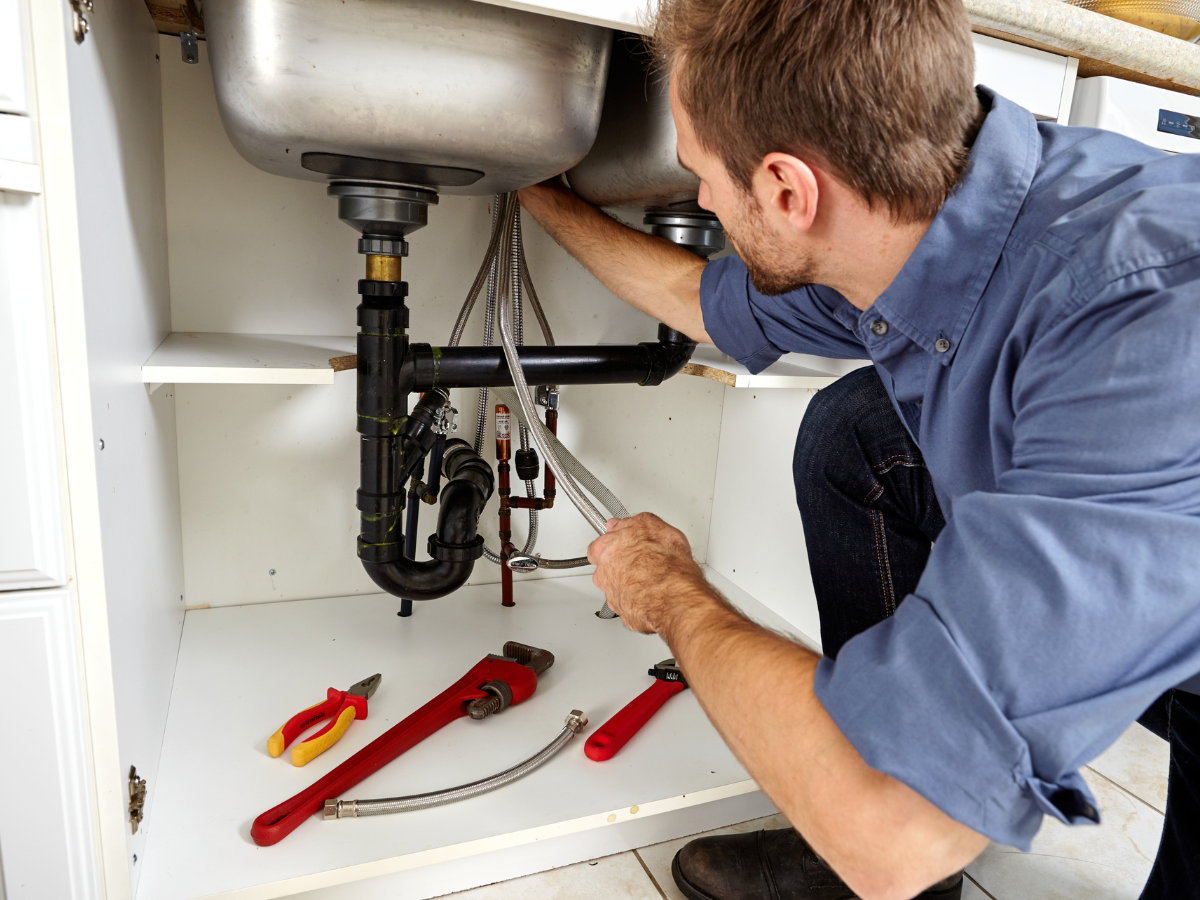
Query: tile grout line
x=1126 y=790
x=650 y=875
x=986 y=892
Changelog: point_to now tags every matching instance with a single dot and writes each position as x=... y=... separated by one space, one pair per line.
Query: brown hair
x=879 y=91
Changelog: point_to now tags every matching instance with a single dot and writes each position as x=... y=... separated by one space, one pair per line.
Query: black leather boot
x=769 y=865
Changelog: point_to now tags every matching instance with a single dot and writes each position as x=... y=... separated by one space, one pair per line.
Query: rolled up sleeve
x=756 y=329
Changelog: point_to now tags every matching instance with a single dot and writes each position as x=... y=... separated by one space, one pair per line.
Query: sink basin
x=633 y=162
x=470 y=97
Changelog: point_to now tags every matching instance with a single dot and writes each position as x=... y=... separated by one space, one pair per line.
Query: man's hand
x=646 y=570
x=884 y=839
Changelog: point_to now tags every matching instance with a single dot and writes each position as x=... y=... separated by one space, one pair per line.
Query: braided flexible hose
x=342 y=809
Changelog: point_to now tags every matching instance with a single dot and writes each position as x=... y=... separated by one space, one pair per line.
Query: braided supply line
x=525 y=402
x=343 y=809
x=505 y=272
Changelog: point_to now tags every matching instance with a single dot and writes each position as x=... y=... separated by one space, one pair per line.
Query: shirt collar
x=934 y=296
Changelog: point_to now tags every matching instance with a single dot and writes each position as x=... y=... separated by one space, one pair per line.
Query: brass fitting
x=383 y=268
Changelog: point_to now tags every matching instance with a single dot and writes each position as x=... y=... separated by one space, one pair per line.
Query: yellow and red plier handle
x=340 y=707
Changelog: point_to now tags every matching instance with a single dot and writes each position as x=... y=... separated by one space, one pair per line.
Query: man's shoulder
x=1108 y=207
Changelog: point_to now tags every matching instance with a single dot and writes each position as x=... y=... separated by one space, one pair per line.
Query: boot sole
x=694 y=893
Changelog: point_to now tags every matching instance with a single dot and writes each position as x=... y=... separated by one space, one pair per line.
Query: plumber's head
x=791 y=112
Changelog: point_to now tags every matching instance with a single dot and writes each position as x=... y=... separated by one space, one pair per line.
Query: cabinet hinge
x=137 y=798
x=79 y=23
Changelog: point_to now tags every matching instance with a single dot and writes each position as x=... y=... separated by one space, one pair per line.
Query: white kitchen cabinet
x=181 y=524
x=47 y=830
x=31 y=527
x=13 y=59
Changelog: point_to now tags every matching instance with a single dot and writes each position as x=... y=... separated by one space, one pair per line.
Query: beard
x=773 y=268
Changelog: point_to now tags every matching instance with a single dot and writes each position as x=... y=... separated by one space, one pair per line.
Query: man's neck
x=861 y=250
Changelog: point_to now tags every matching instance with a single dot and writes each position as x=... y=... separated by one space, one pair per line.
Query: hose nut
x=340 y=809
x=576 y=721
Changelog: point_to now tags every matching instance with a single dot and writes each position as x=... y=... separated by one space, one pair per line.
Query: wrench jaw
x=667 y=670
x=531 y=657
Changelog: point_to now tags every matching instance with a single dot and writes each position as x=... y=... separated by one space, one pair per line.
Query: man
x=1030 y=296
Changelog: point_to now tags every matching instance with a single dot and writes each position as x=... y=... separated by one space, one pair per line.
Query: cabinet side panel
x=117 y=138
x=757 y=539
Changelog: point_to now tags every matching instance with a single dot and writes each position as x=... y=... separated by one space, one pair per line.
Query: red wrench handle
x=280 y=821
x=616 y=732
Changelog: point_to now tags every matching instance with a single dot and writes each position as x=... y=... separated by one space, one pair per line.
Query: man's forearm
x=883 y=838
x=648 y=273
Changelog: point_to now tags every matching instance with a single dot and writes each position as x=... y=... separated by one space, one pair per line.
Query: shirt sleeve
x=1055 y=609
x=756 y=329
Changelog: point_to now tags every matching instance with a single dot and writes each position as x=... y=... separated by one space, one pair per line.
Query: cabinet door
x=31 y=540
x=12 y=59
x=46 y=838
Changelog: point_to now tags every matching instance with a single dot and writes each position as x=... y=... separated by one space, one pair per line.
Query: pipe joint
x=456 y=544
x=666 y=360
x=383 y=290
x=445 y=552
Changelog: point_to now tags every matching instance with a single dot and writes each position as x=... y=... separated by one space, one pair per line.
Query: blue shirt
x=1043 y=348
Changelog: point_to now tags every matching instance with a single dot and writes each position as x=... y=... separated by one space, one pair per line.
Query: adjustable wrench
x=616 y=732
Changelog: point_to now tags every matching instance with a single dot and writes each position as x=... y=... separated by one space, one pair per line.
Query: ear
x=787 y=185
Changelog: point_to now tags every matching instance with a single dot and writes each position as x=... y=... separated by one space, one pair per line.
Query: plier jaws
x=366 y=687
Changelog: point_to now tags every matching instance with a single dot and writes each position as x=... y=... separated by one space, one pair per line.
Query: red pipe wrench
x=494 y=683
x=616 y=732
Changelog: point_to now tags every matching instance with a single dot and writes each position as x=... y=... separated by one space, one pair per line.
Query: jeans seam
x=883 y=563
x=909 y=462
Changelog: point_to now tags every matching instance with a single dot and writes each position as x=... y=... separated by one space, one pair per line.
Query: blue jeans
x=870 y=516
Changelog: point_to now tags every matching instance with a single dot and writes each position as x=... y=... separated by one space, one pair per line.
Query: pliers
x=341 y=707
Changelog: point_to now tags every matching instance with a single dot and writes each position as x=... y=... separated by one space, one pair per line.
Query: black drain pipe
x=648 y=363
x=456 y=545
x=393 y=444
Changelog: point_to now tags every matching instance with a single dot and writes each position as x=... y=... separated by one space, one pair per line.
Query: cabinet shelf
x=188 y=357
x=243 y=670
x=793 y=371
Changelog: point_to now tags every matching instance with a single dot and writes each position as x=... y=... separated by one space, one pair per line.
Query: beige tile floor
x=1108 y=862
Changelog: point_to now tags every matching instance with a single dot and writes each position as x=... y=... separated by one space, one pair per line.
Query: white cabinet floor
x=1110 y=862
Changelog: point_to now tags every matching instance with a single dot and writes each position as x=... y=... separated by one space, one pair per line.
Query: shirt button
x=879 y=327
x=941 y=345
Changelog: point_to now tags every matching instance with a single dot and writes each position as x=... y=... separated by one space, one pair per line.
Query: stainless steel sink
x=633 y=162
x=481 y=98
